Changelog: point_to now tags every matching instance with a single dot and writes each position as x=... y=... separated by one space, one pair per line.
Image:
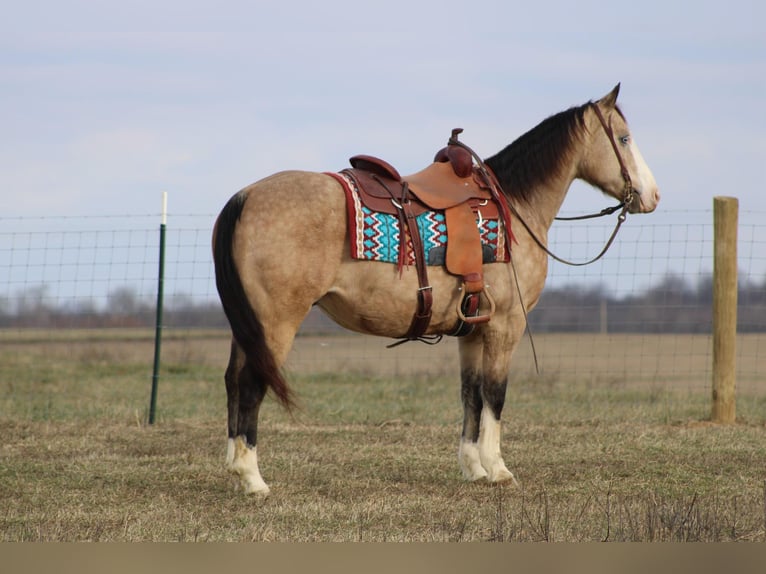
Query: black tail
x=245 y=325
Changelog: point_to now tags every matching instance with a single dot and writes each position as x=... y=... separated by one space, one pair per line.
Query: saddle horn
x=459 y=158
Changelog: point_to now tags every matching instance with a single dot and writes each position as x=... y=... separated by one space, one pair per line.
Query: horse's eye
x=625 y=140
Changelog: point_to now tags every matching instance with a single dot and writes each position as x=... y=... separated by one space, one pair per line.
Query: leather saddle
x=440 y=186
x=454 y=186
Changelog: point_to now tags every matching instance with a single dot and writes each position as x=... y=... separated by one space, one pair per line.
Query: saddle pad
x=375 y=236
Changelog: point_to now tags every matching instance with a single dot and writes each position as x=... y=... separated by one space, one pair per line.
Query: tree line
x=674 y=305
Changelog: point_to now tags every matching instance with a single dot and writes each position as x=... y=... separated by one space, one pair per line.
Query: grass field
x=371 y=453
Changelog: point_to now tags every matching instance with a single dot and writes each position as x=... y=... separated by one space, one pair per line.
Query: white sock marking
x=244 y=462
x=470 y=463
x=489 y=447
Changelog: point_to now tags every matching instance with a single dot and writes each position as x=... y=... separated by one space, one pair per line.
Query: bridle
x=629 y=192
x=629 y=195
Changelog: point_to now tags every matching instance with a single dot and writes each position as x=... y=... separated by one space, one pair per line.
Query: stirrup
x=479 y=318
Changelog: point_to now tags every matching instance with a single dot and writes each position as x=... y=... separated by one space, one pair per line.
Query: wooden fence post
x=725 y=215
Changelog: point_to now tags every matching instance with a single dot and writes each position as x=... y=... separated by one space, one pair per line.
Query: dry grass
x=367 y=457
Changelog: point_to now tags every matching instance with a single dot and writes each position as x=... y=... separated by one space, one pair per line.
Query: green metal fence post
x=158 y=322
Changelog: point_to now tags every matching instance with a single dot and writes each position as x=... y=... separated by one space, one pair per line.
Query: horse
x=281 y=246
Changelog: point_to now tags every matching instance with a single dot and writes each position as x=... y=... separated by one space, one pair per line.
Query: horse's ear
x=610 y=100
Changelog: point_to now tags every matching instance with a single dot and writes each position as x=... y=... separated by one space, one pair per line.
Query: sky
x=105 y=105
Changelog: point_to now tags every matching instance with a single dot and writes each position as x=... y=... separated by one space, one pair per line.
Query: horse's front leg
x=496 y=361
x=471 y=383
x=484 y=367
x=490 y=434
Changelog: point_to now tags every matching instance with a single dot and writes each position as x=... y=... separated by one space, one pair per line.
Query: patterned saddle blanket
x=376 y=236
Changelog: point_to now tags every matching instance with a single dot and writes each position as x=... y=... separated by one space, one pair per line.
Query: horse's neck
x=545 y=203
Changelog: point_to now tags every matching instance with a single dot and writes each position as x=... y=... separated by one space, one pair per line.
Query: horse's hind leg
x=246 y=387
x=245 y=393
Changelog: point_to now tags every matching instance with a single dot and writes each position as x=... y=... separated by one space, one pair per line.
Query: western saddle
x=452 y=184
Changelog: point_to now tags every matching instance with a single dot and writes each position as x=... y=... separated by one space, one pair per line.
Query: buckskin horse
x=282 y=245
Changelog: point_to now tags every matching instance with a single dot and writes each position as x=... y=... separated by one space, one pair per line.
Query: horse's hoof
x=474 y=474
x=259 y=491
x=502 y=475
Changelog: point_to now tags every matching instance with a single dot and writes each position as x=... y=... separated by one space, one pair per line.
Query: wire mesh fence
x=640 y=315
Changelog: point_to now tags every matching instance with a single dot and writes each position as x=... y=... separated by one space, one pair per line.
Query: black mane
x=533 y=157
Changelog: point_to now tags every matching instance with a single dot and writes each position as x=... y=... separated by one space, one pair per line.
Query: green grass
x=363 y=458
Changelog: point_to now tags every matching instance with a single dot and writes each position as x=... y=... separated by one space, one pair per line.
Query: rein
x=608 y=211
x=603 y=212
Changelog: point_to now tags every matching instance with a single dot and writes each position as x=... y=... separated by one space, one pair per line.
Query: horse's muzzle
x=644 y=201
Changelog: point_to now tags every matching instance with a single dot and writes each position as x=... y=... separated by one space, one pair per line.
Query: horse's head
x=615 y=164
